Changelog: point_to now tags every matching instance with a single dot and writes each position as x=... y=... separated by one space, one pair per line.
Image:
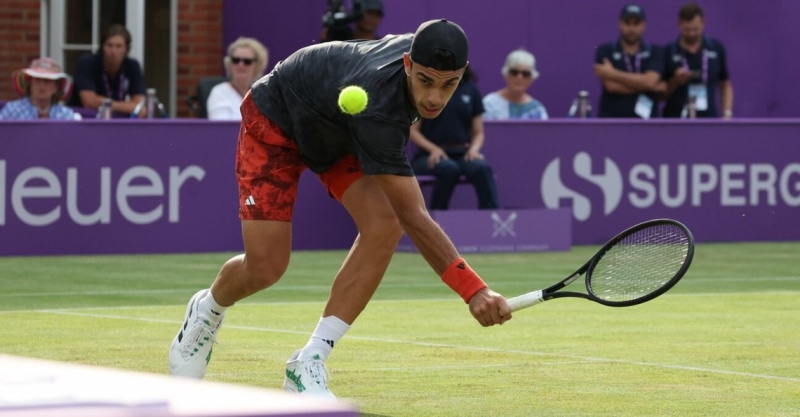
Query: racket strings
x=640 y=263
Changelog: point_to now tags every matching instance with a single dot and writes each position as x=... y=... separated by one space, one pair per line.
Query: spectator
x=110 y=73
x=43 y=85
x=245 y=63
x=630 y=70
x=450 y=146
x=513 y=101
x=366 y=26
x=696 y=67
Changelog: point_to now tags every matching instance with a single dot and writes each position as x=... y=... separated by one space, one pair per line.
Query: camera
x=337 y=19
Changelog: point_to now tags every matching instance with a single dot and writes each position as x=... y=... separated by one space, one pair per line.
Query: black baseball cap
x=632 y=10
x=373 y=5
x=446 y=37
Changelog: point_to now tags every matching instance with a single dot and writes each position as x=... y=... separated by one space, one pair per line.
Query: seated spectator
x=43 y=85
x=245 y=63
x=110 y=73
x=513 y=101
x=450 y=146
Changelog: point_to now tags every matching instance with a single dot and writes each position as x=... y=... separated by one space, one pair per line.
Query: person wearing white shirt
x=245 y=63
x=513 y=100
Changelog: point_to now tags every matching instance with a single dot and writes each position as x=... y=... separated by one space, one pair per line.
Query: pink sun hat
x=45 y=68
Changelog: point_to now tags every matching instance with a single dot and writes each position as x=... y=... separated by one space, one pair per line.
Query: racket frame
x=551 y=292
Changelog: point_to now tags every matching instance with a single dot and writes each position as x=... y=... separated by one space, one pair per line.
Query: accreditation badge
x=700 y=94
x=644 y=106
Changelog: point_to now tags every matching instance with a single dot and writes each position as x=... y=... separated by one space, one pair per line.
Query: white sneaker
x=191 y=348
x=307 y=377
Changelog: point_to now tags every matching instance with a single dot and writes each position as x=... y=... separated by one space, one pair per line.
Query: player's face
x=692 y=30
x=43 y=89
x=114 y=50
x=631 y=30
x=430 y=89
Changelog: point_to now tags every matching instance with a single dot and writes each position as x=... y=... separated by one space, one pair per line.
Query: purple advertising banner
x=735 y=181
x=137 y=187
x=487 y=231
x=169 y=186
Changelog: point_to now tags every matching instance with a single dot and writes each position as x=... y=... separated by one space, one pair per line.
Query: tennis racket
x=636 y=266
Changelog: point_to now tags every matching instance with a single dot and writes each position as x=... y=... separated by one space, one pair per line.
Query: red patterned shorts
x=268 y=169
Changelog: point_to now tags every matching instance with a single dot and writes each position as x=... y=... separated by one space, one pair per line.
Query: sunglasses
x=247 y=61
x=515 y=72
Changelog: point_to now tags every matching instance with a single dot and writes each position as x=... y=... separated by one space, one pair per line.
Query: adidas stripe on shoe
x=191 y=349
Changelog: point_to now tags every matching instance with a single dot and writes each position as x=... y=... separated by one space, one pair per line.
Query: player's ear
x=407 y=63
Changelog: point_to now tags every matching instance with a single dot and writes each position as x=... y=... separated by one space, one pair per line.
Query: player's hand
x=435 y=156
x=489 y=308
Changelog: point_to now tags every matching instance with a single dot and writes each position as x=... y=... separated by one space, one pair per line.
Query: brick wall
x=200 y=48
x=19 y=40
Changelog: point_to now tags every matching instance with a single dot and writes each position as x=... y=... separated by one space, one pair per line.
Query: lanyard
x=636 y=66
x=122 y=87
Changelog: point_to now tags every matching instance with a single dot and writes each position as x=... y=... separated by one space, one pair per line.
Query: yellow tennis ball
x=353 y=99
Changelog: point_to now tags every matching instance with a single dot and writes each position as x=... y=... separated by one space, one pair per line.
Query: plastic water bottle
x=580 y=107
x=104 y=112
x=691 y=107
x=150 y=103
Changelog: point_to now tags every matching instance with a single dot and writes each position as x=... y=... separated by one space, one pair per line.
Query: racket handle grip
x=525 y=300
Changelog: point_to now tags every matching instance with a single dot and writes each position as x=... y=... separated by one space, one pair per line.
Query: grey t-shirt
x=300 y=95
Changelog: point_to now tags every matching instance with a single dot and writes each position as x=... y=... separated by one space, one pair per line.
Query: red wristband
x=462 y=279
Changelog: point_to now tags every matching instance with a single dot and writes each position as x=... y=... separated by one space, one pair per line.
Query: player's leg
x=362 y=271
x=267 y=247
x=356 y=281
x=268 y=169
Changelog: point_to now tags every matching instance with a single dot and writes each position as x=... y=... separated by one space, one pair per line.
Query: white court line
x=327 y=287
x=399 y=300
x=452 y=346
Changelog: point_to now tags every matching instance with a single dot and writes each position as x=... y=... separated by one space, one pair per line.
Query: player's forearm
x=408 y=204
x=431 y=241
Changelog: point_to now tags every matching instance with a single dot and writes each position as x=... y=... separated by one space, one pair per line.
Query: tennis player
x=291 y=121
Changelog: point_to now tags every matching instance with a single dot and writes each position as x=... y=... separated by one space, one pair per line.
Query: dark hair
x=689 y=11
x=116 y=30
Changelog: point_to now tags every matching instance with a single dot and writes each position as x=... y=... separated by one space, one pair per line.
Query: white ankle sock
x=328 y=332
x=210 y=308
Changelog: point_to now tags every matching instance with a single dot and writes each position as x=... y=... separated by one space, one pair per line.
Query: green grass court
x=724 y=342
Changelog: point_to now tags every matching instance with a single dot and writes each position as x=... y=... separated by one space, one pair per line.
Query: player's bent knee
x=388 y=231
x=261 y=274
